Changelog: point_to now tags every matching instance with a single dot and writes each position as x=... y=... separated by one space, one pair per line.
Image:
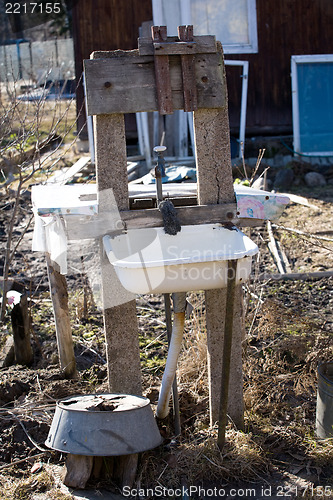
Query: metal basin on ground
x=151 y=261
x=103 y=425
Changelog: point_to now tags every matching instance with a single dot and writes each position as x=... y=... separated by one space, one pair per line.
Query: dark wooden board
x=162 y=74
x=200 y=214
x=201 y=45
x=124 y=82
x=185 y=34
x=97 y=226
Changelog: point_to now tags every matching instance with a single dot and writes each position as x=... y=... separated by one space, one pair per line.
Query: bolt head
x=159 y=149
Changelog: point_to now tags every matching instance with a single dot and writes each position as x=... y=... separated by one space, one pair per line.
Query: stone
x=278 y=160
x=7 y=353
x=314 y=179
x=284 y=178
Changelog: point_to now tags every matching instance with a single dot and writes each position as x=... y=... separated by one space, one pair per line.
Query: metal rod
x=227 y=343
x=175 y=400
x=159 y=172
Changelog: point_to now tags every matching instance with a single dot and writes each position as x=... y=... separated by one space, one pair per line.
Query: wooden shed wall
x=105 y=25
x=285 y=28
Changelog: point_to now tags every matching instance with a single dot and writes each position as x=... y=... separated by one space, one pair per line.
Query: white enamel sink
x=151 y=261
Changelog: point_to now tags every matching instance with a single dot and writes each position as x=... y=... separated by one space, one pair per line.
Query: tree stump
x=21 y=332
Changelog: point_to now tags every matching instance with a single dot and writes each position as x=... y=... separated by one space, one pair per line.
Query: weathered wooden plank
x=205 y=44
x=188 y=71
x=78 y=470
x=59 y=296
x=295 y=276
x=174 y=49
x=120 y=320
x=98 y=225
x=215 y=185
x=199 y=214
x=215 y=318
x=162 y=74
x=125 y=467
x=124 y=82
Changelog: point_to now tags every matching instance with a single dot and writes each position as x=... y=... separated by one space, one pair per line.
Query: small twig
x=272 y=245
x=91 y=350
x=165 y=468
x=295 y=276
x=27 y=434
x=243 y=161
x=216 y=465
x=33 y=457
x=302 y=233
x=260 y=157
x=24 y=410
x=260 y=301
x=155 y=340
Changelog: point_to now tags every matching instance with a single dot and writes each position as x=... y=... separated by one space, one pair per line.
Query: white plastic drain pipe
x=174 y=350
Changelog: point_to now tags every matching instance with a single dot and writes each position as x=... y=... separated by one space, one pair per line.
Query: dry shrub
x=192 y=366
x=199 y=459
x=321 y=451
x=45 y=483
x=41 y=482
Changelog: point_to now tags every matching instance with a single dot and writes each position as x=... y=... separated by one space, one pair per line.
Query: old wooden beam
x=78 y=470
x=162 y=72
x=296 y=276
x=227 y=346
x=185 y=34
x=59 y=296
x=120 y=319
x=124 y=82
x=215 y=185
x=100 y=224
x=195 y=215
x=203 y=44
x=273 y=247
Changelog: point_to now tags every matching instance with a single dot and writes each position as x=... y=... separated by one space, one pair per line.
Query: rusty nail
x=107 y=85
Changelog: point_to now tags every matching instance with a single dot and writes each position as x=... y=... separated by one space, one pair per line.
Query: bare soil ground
x=289 y=331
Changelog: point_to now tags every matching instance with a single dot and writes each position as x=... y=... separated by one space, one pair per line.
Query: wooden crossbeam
x=124 y=81
x=205 y=44
x=97 y=225
x=195 y=215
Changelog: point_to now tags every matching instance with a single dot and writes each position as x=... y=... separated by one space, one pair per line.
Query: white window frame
x=295 y=61
x=245 y=75
x=236 y=48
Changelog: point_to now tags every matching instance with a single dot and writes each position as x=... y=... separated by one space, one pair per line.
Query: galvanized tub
x=103 y=425
x=324 y=413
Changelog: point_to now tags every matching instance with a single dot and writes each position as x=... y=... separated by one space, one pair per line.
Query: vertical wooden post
x=215 y=185
x=120 y=320
x=119 y=308
x=59 y=296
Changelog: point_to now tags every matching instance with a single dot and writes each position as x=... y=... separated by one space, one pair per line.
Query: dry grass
x=45 y=484
x=192 y=368
x=280 y=360
x=198 y=457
